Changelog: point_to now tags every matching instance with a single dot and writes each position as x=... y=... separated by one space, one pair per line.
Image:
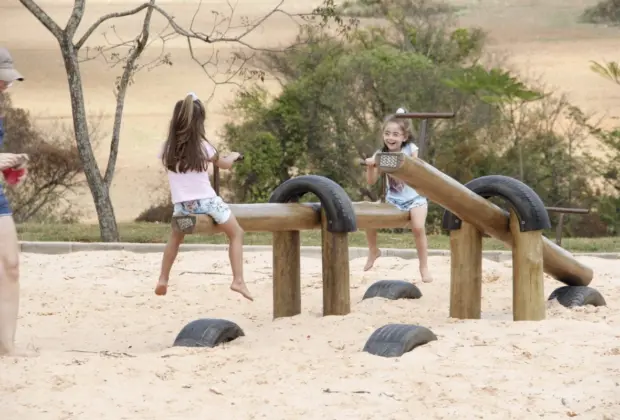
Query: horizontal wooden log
x=262 y=217
x=472 y=208
x=425 y=115
x=273 y=217
x=379 y=216
x=568 y=210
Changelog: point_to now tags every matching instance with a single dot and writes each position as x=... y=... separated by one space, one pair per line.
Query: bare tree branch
x=231 y=74
x=76 y=17
x=128 y=58
x=237 y=39
x=44 y=18
x=129 y=70
x=102 y=19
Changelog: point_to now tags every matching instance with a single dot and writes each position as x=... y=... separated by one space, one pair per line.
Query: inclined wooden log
x=481 y=213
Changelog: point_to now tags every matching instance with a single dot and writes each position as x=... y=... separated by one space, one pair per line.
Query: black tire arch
x=527 y=205
x=334 y=200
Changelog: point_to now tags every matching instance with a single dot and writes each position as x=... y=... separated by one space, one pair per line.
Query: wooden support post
x=528 y=299
x=559 y=229
x=335 y=250
x=216 y=179
x=465 y=272
x=286 y=274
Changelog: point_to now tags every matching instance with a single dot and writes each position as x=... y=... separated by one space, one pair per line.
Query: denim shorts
x=5 y=208
x=214 y=207
x=407 y=205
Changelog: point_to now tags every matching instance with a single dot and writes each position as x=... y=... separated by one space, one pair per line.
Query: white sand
x=78 y=305
x=307 y=367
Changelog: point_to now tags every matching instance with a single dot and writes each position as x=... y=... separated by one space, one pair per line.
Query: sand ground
x=541 y=37
x=102 y=339
x=102 y=343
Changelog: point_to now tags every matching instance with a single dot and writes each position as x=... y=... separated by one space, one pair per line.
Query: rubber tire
x=526 y=203
x=393 y=290
x=394 y=340
x=571 y=296
x=334 y=200
x=208 y=332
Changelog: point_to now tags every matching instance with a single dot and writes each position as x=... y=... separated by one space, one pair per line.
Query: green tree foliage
x=54 y=170
x=603 y=12
x=609 y=165
x=335 y=96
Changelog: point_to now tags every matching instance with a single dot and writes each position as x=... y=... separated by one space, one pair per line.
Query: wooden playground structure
x=468 y=216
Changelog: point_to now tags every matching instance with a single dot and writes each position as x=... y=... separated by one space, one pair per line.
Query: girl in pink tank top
x=186 y=155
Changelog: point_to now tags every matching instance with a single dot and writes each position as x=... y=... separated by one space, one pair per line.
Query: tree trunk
x=98 y=188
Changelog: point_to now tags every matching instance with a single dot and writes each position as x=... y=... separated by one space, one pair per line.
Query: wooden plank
x=263 y=217
x=472 y=208
x=425 y=115
x=568 y=210
x=379 y=216
x=273 y=217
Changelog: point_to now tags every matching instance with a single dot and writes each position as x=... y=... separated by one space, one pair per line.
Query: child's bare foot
x=161 y=288
x=372 y=256
x=240 y=287
x=426 y=275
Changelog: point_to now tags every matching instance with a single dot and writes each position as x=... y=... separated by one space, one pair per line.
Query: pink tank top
x=190 y=185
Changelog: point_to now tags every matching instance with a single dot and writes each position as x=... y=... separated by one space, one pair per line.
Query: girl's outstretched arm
x=372 y=172
x=226 y=162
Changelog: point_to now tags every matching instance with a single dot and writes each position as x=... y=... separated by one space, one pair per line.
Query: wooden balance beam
x=532 y=253
x=273 y=217
x=481 y=213
x=285 y=221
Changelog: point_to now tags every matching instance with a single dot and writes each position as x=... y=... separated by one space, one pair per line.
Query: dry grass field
x=542 y=38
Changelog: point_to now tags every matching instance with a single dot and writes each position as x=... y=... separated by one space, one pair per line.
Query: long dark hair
x=184 y=149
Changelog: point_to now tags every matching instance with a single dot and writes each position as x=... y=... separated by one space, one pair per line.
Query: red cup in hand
x=13 y=175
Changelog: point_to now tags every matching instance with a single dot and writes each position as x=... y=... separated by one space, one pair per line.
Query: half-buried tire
x=394 y=340
x=570 y=296
x=207 y=332
x=393 y=289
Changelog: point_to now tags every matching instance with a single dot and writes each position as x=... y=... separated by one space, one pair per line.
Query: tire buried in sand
x=393 y=289
x=208 y=332
x=571 y=296
x=394 y=340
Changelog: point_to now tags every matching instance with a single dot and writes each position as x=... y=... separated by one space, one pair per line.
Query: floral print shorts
x=214 y=207
x=407 y=205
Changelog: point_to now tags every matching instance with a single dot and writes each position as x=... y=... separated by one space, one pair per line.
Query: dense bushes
x=54 y=170
x=603 y=12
